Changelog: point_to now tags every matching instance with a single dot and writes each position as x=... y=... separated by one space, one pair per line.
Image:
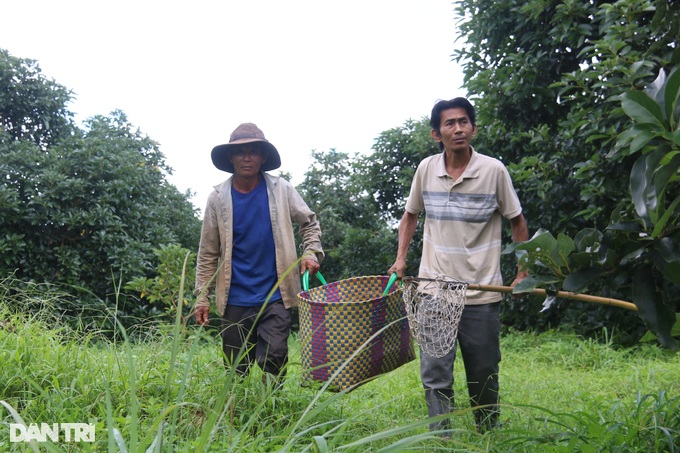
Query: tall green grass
x=171 y=392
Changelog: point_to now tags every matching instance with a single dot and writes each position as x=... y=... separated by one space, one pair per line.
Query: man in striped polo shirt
x=465 y=195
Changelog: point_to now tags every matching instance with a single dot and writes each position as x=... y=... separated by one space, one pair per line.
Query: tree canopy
x=356 y=239
x=32 y=107
x=81 y=207
x=548 y=78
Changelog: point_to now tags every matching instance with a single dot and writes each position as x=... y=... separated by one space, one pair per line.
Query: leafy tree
x=547 y=77
x=387 y=172
x=84 y=209
x=32 y=107
x=355 y=238
x=173 y=284
x=641 y=246
x=386 y=175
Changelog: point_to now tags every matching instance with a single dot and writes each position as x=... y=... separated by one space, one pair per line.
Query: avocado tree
x=641 y=247
x=355 y=237
x=83 y=208
x=547 y=78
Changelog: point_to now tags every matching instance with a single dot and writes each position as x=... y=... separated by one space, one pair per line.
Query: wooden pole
x=562 y=294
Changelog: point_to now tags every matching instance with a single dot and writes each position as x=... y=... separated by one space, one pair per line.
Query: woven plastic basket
x=336 y=319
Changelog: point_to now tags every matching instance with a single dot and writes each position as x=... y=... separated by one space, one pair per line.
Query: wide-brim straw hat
x=245 y=133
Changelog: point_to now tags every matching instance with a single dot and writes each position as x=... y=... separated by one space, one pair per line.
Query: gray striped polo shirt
x=462 y=231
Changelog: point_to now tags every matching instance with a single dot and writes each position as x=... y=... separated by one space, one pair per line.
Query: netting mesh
x=434 y=308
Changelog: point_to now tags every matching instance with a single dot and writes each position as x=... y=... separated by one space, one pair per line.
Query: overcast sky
x=312 y=74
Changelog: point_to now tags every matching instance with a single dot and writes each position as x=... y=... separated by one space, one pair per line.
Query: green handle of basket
x=390 y=282
x=305 y=279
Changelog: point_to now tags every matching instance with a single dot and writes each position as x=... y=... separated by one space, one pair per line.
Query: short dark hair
x=440 y=106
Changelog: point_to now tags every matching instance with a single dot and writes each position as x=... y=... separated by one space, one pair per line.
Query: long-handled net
x=434 y=308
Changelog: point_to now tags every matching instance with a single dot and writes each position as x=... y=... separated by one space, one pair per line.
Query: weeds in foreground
x=172 y=393
x=652 y=425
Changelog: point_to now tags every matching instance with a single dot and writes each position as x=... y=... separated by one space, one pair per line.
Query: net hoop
x=434 y=308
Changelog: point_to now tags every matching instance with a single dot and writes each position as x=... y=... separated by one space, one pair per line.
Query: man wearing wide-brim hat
x=248 y=255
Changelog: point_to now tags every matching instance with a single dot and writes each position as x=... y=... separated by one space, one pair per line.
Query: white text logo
x=70 y=432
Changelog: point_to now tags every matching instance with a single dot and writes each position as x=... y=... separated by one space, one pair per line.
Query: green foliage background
x=81 y=207
x=558 y=86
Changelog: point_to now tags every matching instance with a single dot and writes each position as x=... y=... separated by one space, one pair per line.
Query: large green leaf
x=545 y=250
x=635 y=138
x=675 y=331
x=578 y=280
x=642 y=139
x=656 y=89
x=663 y=220
x=542 y=240
x=587 y=239
x=666 y=256
x=565 y=245
x=635 y=254
x=658 y=318
x=632 y=227
x=672 y=98
x=534 y=281
x=588 y=245
x=673 y=137
x=641 y=108
x=642 y=184
x=668 y=169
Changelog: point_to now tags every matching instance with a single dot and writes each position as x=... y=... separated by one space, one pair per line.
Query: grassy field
x=170 y=392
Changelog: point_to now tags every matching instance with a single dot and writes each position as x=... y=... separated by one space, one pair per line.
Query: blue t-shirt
x=253 y=269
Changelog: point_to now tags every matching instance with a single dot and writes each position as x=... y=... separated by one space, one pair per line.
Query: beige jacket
x=214 y=253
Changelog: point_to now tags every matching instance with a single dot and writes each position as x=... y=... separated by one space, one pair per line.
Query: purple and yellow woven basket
x=336 y=319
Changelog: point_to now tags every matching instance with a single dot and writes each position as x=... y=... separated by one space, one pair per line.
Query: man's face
x=455 y=131
x=247 y=160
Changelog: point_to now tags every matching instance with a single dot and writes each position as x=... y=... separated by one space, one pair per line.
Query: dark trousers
x=479 y=342
x=256 y=334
